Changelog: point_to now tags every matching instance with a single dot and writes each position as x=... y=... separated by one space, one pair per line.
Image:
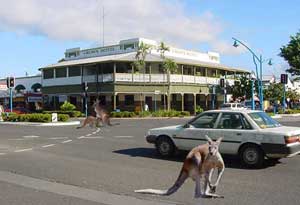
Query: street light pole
x=259 y=77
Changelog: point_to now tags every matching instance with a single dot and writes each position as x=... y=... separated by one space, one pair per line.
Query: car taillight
x=291 y=139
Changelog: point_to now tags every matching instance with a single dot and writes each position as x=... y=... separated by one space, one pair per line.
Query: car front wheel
x=251 y=156
x=165 y=147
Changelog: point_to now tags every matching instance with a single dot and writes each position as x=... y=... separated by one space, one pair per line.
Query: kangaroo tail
x=152 y=191
x=178 y=183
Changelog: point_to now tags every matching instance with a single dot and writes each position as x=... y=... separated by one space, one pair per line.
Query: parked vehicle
x=251 y=135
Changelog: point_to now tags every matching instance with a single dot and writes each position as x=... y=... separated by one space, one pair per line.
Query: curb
x=144 y=118
x=50 y=124
x=276 y=116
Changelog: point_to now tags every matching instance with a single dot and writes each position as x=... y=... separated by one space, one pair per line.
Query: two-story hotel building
x=110 y=75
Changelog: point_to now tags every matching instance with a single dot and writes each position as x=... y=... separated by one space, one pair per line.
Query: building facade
x=111 y=76
x=26 y=93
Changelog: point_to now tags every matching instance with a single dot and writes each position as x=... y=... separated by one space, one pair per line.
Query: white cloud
x=81 y=20
x=227 y=47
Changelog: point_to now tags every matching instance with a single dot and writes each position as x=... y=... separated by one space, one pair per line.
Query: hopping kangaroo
x=201 y=160
x=90 y=120
x=101 y=113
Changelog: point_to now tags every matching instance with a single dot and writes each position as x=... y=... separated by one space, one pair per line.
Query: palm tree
x=169 y=66
x=140 y=62
x=162 y=49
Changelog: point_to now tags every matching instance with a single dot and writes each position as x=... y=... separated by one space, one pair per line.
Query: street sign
x=54 y=117
x=3 y=87
x=156 y=92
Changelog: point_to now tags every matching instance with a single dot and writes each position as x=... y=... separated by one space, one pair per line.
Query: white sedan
x=252 y=135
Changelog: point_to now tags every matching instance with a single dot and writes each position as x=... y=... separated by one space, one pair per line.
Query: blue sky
x=32 y=37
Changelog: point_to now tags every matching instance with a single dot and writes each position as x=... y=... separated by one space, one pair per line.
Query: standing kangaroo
x=101 y=113
x=202 y=159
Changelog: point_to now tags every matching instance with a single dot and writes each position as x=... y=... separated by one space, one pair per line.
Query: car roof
x=233 y=110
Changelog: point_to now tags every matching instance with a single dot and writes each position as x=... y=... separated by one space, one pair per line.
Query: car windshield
x=263 y=120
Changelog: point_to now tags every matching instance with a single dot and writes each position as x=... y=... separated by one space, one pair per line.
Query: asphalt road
x=63 y=165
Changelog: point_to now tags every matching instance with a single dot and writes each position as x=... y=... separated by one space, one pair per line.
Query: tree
x=162 y=49
x=274 y=92
x=169 y=66
x=291 y=53
x=140 y=62
x=242 y=87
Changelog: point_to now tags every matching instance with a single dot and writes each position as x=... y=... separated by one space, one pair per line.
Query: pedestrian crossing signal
x=284 y=78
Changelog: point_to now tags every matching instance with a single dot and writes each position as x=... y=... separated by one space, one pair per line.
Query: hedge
x=73 y=113
x=289 y=111
x=160 y=113
x=36 y=117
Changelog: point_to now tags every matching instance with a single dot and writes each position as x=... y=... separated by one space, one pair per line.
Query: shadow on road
x=230 y=161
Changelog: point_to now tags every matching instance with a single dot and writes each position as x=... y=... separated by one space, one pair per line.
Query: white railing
x=200 y=80
x=141 y=78
x=213 y=81
x=158 y=78
x=107 y=77
x=62 y=81
x=176 y=78
x=123 y=77
x=89 y=78
x=128 y=77
x=188 y=79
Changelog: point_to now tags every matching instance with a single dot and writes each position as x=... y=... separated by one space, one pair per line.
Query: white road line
x=17 y=139
x=66 y=141
x=48 y=145
x=94 y=133
x=123 y=136
x=81 y=137
x=2 y=153
x=58 y=138
x=30 y=136
x=23 y=150
x=88 y=135
x=99 y=137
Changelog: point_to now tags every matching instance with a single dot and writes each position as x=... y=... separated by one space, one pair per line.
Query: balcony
x=139 y=78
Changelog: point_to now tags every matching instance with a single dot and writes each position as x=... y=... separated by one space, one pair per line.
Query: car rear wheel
x=165 y=146
x=251 y=156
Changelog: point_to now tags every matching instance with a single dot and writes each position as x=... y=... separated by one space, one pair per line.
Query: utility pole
x=103 y=19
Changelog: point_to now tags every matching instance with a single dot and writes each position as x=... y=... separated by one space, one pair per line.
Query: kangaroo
x=101 y=113
x=90 y=120
x=201 y=160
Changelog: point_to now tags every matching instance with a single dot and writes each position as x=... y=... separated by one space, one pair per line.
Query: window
x=230 y=121
x=89 y=70
x=206 y=120
x=129 y=99
x=128 y=46
x=246 y=123
x=61 y=72
x=74 y=71
x=263 y=120
x=49 y=73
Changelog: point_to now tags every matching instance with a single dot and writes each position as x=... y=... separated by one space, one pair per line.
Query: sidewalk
x=49 y=124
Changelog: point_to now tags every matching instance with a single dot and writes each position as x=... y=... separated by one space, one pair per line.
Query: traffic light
x=284 y=78
x=10 y=82
x=222 y=82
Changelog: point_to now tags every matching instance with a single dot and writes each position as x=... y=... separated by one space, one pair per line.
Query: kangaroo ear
x=208 y=139
x=219 y=140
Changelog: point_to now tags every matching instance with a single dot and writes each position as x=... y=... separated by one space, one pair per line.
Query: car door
x=193 y=133
x=233 y=127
